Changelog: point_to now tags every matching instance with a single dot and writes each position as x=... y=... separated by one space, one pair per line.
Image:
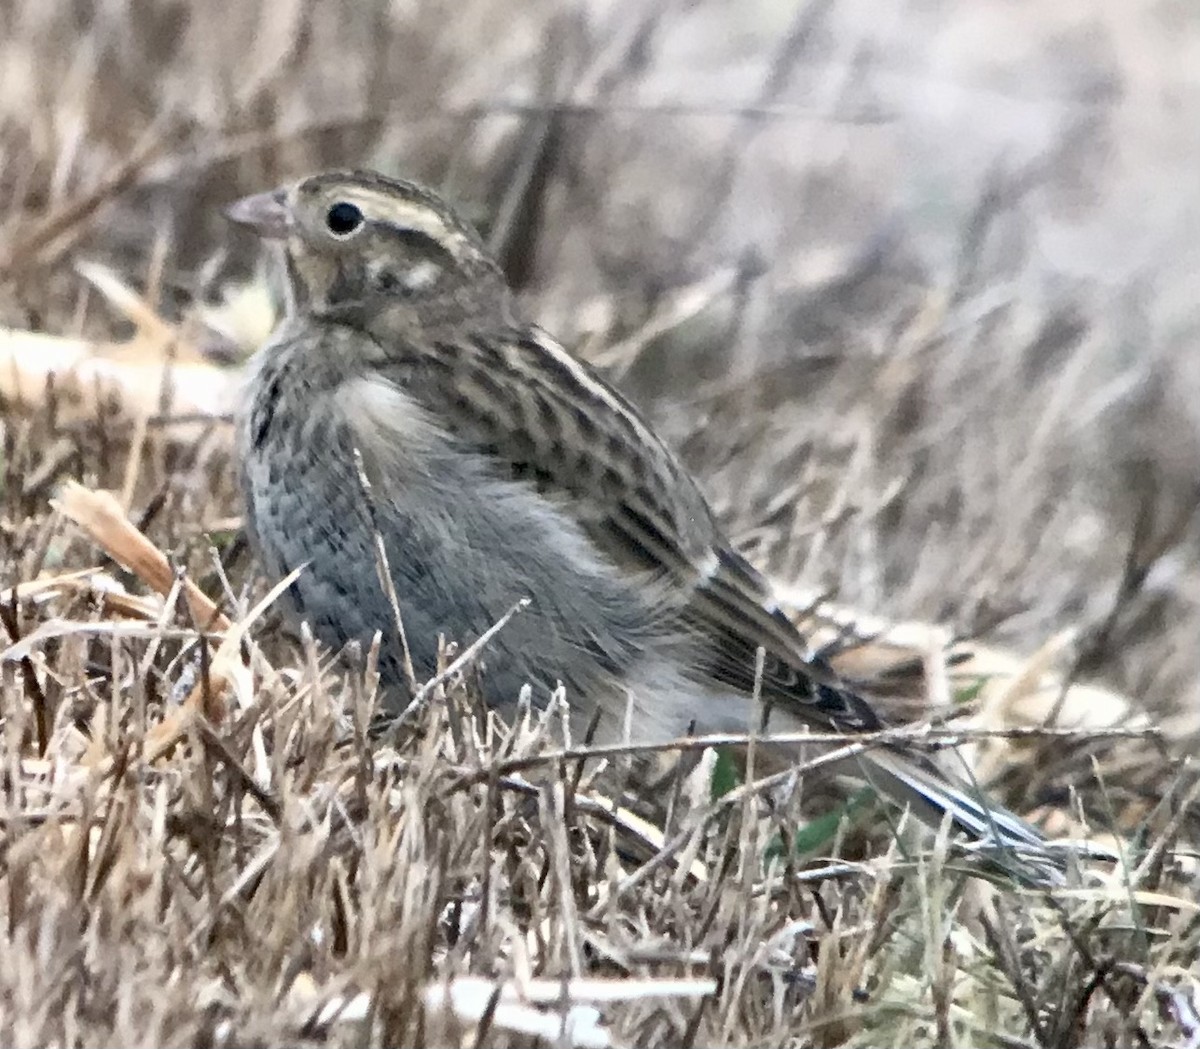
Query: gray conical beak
x=267 y=214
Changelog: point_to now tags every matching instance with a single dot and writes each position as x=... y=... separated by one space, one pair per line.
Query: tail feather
x=1002 y=836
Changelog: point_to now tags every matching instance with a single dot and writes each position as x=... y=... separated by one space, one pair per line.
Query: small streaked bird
x=502 y=468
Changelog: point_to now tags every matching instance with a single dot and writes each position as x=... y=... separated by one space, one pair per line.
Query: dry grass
x=913 y=296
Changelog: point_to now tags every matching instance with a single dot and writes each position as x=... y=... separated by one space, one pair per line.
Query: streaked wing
x=522 y=399
x=587 y=448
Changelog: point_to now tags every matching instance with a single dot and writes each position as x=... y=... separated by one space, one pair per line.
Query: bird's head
x=358 y=245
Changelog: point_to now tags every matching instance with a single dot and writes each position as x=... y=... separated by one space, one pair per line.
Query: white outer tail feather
x=1016 y=845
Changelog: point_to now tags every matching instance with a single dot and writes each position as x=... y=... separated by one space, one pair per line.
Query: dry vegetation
x=911 y=291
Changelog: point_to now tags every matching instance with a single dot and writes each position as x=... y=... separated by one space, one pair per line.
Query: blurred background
x=912 y=285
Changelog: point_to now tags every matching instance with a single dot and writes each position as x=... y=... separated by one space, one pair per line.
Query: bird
x=404 y=399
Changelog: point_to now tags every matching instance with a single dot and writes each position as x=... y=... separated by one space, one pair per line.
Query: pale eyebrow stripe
x=405 y=215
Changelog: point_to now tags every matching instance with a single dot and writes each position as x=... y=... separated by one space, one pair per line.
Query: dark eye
x=343 y=218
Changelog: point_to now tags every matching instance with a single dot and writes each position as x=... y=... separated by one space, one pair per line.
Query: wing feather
x=588 y=449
